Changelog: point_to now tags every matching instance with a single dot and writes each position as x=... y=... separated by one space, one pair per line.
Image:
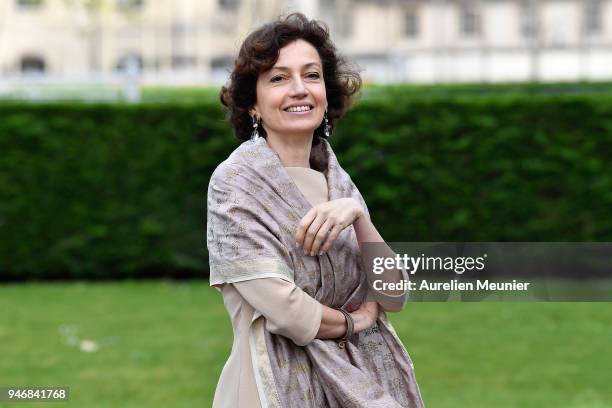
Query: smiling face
x=291 y=97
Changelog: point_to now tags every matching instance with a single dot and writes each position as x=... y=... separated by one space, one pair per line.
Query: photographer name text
x=480 y=284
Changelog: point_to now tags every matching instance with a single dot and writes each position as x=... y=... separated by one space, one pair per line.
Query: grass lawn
x=163 y=344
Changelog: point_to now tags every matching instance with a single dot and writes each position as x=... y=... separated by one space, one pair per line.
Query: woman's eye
x=276 y=79
x=313 y=75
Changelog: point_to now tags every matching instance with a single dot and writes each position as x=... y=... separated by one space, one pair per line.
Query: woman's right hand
x=366 y=316
x=322 y=224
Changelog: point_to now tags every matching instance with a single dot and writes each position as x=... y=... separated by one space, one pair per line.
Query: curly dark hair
x=260 y=51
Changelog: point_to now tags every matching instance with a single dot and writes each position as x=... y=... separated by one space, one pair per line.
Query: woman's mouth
x=300 y=110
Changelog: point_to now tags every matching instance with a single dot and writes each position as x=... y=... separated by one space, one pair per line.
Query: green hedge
x=108 y=191
x=513 y=169
x=499 y=90
x=374 y=91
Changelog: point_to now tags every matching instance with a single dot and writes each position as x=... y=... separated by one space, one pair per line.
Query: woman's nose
x=298 y=87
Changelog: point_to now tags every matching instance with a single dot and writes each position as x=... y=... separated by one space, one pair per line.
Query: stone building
x=194 y=41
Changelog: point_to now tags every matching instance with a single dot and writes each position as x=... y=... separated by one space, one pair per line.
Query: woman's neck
x=294 y=151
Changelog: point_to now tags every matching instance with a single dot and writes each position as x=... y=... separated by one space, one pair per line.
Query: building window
x=411 y=23
x=32 y=64
x=130 y=63
x=181 y=27
x=29 y=4
x=470 y=20
x=221 y=67
x=529 y=18
x=229 y=4
x=128 y=5
x=184 y=61
x=592 y=22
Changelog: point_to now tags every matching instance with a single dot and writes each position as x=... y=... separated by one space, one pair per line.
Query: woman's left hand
x=321 y=225
x=365 y=317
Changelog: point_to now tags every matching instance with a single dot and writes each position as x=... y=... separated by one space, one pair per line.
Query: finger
x=321 y=236
x=331 y=238
x=311 y=233
x=303 y=227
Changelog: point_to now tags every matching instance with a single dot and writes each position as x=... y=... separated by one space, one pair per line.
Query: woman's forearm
x=367 y=232
x=333 y=323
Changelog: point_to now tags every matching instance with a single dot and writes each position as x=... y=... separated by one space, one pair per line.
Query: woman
x=285 y=225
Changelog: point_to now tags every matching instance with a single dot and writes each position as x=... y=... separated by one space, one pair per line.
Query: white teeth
x=298 y=108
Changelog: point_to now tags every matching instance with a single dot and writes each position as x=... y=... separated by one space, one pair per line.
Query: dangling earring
x=254 y=133
x=327 y=129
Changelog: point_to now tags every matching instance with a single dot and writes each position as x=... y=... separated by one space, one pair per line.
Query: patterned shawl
x=254 y=208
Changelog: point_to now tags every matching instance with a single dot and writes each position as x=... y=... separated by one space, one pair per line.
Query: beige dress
x=288 y=311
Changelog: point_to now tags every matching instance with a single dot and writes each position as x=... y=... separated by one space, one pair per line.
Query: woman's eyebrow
x=303 y=66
